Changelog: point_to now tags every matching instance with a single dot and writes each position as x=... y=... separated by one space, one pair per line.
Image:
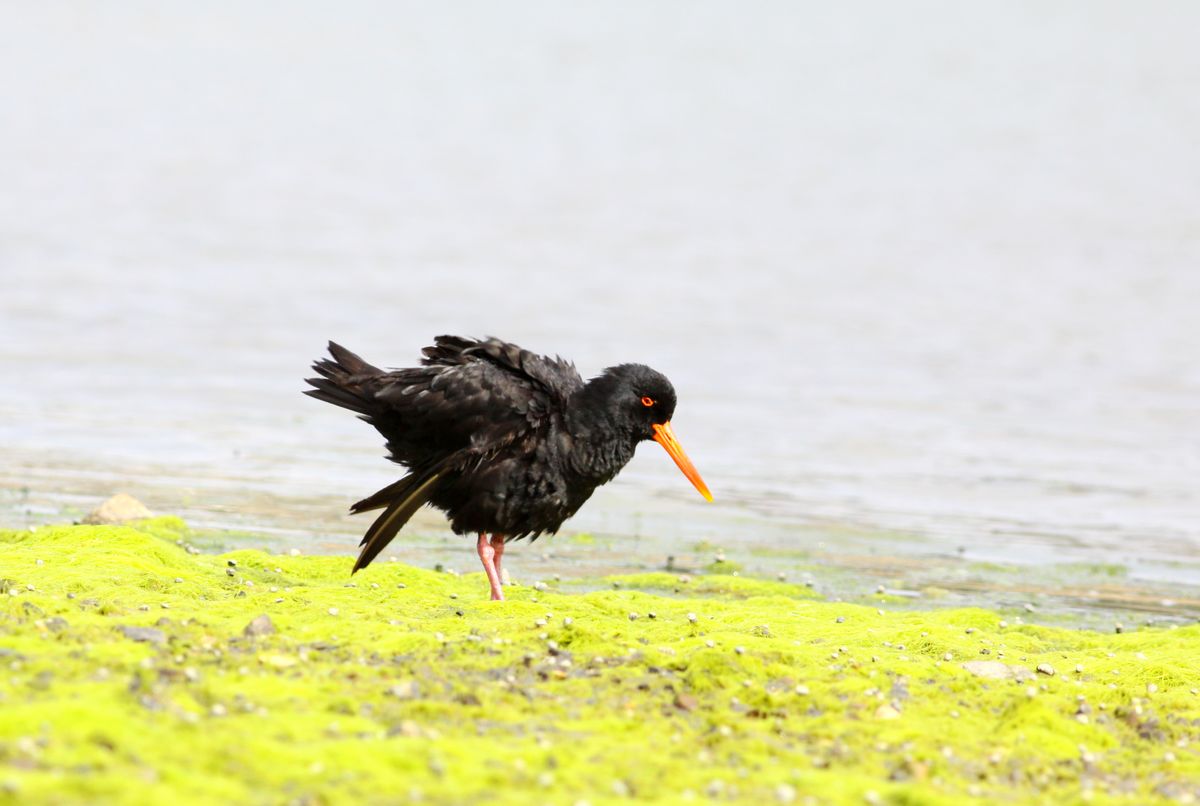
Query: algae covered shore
x=135 y=670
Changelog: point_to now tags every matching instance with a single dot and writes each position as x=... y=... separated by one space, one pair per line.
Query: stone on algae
x=121 y=508
x=409 y=695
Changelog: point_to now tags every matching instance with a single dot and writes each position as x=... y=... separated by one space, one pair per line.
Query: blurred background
x=926 y=276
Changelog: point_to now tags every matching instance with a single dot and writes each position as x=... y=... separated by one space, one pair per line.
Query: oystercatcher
x=507 y=442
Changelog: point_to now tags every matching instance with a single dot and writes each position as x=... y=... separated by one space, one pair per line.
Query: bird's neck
x=600 y=443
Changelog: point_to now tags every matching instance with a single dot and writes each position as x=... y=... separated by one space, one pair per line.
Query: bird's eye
x=647 y=402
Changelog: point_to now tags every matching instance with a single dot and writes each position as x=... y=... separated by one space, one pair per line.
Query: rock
x=405 y=690
x=1046 y=669
x=56 y=624
x=118 y=509
x=886 y=711
x=32 y=610
x=995 y=670
x=147 y=635
x=686 y=702
x=259 y=625
x=278 y=661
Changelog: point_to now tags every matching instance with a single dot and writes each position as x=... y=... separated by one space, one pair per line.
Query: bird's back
x=469 y=399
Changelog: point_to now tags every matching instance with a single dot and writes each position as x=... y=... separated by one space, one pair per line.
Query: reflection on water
x=929 y=279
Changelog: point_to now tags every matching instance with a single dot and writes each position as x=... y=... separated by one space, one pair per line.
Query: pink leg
x=498 y=545
x=488 y=555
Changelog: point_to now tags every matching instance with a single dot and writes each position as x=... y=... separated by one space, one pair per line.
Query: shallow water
x=925 y=278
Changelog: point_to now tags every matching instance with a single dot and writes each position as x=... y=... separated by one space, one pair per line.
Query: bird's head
x=641 y=402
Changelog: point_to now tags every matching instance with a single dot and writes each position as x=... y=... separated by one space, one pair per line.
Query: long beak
x=664 y=436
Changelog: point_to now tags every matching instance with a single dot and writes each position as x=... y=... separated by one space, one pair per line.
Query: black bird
x=507 y=442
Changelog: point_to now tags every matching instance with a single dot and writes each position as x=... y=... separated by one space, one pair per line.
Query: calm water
x=926 y=277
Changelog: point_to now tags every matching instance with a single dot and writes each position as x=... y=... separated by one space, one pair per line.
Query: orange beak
x=664 y=436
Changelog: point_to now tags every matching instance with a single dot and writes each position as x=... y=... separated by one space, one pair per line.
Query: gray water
x=926 y=276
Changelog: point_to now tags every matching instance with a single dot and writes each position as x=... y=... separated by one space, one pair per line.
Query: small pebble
x=1029 y=608
x=230 y=572
x=651 y=614
x=568 y=621
x=886 y=711
x=781 y=576
x=1046 y=669
x=178 y=579
x=1079 y=668
x=691 y=617
x=231 y=563
x=741 y=650
x=710 y=643
x=948 y=657
x=454 y=596
x=840 y=619
x=633 y=616
x=38 y=562
x=333 y=611
x=802 y=690
x=401 y=586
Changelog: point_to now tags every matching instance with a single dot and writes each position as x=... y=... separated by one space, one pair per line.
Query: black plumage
x=507 y=442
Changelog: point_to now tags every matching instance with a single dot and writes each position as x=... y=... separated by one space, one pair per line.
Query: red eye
x=647 y=402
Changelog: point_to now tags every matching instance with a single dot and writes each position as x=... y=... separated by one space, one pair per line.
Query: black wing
x=468 y=401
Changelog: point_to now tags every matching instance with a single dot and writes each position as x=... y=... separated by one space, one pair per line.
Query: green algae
x=128 y=678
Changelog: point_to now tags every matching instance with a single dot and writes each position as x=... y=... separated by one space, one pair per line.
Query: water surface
x=926 y=278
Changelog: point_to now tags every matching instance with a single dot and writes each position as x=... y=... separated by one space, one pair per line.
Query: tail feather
x=381 y=498
x=407 y=496
x=342 y=380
